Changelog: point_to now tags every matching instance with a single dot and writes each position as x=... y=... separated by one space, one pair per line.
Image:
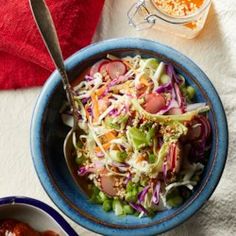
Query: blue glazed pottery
x=48 y=133
x=35 y=213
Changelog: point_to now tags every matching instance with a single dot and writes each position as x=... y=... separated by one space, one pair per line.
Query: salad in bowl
x=144 y=141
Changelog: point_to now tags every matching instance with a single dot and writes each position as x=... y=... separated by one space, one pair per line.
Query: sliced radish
x=199 y=128
x=95 y=68
x=154 y=103
x=115 y=69
x=179 y=96
x=103 y=66
x=206 y=127
x=174 y=157
x=107 y=183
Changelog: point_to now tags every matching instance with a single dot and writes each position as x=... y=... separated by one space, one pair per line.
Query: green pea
x=129 y=197
x=191 y=92
x=117 y=207
x=123 y=155
x=102 y=196
x=128 y=210
x=129 y=186
x=118 y=156
x=164 y=79
x=151 y=158
x=99 y=199
x=95 y=190
x=107 y=205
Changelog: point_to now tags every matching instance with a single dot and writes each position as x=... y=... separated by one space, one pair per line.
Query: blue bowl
x=48 y=133
x=37 y=214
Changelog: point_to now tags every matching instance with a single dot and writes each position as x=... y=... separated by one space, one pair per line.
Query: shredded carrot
x=95 y=107
x=140 y=158
x=130 y=66
x=106 y=138
x=105 y=147
x=109 y=136
x=144 y=81
x=101 y=90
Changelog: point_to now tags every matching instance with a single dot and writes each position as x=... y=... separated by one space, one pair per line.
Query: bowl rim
x=202 y=79
x=31 y=202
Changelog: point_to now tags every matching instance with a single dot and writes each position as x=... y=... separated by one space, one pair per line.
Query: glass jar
x=145 y=14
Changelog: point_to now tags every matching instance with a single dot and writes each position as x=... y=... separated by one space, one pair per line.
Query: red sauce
x=19 y=228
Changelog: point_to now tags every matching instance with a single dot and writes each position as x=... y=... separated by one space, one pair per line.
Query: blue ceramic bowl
x=48 y=133
x=37 y=214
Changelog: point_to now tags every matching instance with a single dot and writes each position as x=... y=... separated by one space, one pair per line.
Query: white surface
x=214 y=50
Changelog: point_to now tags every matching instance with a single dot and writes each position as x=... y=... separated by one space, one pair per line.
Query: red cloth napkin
x=24 y=60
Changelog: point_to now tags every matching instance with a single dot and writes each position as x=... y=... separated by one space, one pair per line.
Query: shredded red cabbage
x=142 y=194
x=200 y=146
x=180 y=99
x=206 y=128
x=164 y=88
x=100 y=154
x=156 y=193
x=83 y=171
x=123 y=167
x=88 y=78
x=114 y=82
x=138 y=208
x=84 y=100
x=90 y=111
x=128 y=178
x=115 y=112
x=171 y=72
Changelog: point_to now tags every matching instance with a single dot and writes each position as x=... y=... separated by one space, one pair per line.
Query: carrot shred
x=105 y=147
x=140 y=158
x=101 y=90
x=110 y=136
x=130 y=66
x=95 y=106
x=144 y=81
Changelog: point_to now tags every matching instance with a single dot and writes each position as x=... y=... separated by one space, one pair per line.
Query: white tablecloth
x=214 y=50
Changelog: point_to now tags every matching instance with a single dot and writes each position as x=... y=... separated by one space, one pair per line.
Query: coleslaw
x=143 y=142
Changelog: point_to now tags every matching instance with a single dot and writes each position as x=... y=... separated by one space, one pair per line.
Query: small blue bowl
x=48 y=133
x=37 y=214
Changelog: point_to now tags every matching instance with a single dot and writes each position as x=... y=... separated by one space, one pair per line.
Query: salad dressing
x=178 y=8
x=185 y=18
